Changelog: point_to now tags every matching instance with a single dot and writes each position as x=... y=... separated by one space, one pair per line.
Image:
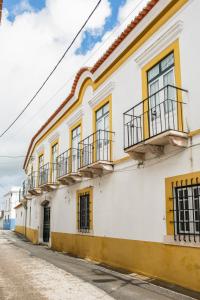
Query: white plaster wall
x=20 y=216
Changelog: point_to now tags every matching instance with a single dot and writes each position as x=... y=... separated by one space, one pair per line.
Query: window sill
x=169 y=240
x=90 y=232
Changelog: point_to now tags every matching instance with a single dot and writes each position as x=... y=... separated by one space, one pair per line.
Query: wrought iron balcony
x=33 y=188
x=67 y=164
x=96 y=153
x=155 y=122
x=24 y=194
x=47 y=179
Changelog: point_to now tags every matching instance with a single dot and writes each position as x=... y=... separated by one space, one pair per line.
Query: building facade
x=11 y=199
x=113 y=175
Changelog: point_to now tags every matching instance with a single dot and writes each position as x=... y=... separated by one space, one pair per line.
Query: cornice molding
x=54 y=137
x=75 y=117
x=162 y=42
x=101 y=94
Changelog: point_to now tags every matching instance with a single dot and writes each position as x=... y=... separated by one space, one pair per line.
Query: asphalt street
x=36 y=272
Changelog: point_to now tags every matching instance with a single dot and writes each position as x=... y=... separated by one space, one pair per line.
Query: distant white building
x=11 y=199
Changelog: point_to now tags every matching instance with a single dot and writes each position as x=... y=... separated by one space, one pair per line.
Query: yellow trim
x=121 y=160
x=74 y=126
x=175 y=48
x=175 y=264
x=31 y=234
x=78 y=193
x=39 y=155
x=194 y=132
x=155 y=25
x=176 y=180
x=38 y=165
x=107 y=100
x=55 y=142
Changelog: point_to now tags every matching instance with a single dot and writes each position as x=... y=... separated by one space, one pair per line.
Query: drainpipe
x=25 y=218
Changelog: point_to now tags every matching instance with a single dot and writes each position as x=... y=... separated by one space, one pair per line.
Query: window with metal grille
x=84 y=212
x=187 y=211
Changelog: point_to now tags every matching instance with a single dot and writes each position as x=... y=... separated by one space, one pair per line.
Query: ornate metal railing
x=96 y=147
x=67 y=162
x=33 y=181
x=47 y=174
x=160 y=112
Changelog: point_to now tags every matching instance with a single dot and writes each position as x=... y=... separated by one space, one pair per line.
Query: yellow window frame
x=53 y=144
x=107 y=100
x=174 y=47
x=88 y=190
x=169 y=183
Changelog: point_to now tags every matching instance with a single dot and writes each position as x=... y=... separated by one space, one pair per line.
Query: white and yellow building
x=114 y=173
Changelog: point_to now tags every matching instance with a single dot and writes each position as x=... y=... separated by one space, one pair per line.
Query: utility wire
x=53 y=70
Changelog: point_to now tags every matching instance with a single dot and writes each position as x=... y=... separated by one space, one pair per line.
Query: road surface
x=30 y=272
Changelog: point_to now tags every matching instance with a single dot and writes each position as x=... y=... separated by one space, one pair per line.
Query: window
x=54 y=155
x=187 y=210
x=162 y=94
x=85 y=211
x=103 y=134
x=41 y=160
x=76 y=138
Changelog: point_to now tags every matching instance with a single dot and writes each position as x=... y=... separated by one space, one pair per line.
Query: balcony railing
x=33 y=181
x=67 y=162
x=160 y=112
x=47 y=174
x=23 y=193
x=96 y=147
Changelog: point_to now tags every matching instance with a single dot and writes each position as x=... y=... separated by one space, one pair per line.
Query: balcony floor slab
x=155 y=144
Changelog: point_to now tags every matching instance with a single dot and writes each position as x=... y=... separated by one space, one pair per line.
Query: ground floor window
x=187 y=209
x=183 y=207
x=84 y=210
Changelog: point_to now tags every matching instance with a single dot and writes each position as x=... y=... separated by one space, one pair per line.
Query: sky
x=33 y=36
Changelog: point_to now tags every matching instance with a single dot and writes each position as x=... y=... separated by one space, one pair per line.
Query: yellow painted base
x=31 y=234
x=175 y=264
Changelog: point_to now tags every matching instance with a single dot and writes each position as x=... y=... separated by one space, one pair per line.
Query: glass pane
x=153 y=72
x=167 y=62
x=99 y=113
x=105 y=108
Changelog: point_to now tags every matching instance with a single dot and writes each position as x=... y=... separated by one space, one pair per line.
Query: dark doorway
x=46 y=224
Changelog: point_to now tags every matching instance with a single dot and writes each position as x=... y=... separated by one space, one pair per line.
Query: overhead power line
x=53 y=70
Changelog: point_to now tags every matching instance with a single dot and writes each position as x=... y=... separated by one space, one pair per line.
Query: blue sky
x=89 y=39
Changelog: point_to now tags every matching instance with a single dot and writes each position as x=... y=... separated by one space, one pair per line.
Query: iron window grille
x=84 y=213
x=160 y=112
x=186 y=210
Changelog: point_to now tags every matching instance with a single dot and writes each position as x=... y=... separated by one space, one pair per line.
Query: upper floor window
x=54 y=155
x=102 y=138
x=75 y=139
x=162 y=93
x=41 y=161
x=102 y=118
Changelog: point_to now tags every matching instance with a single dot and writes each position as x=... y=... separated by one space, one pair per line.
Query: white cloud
x=30 y=47
x=22 y=7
